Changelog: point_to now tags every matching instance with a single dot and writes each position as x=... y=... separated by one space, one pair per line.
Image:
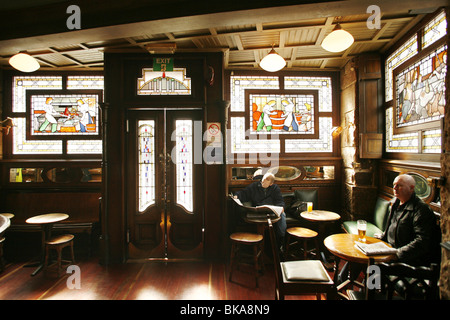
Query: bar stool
x=58 y=243
x=239 y=242
x=301 y=235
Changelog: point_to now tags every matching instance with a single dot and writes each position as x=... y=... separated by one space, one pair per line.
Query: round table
x=342 y=246
x=320 y=216
x=46 y=222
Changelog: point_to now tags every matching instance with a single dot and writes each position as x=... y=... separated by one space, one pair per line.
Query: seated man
x=411 y=226
x=266 y=192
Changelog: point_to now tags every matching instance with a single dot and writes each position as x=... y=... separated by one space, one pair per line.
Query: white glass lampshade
x=272 y=62
x=24 y=62
x=338 y=40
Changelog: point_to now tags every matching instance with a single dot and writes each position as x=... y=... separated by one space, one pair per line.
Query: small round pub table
x=46 y=222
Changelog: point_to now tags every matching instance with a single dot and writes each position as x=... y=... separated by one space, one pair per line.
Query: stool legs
x=58 y=248
x=256 y=257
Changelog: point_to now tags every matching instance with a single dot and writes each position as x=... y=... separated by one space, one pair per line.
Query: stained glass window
x=184 y=163
x=434 y=30
x=21 y=144
x=146 y=158
x=64 y=114
x=298 y=116
x=420 y=90
x=164 y=82
x=285 y=114
x=406 y=51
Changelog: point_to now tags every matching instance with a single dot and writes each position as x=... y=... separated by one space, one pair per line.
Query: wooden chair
x=400 y=281
x=299 y=277
x=301 y=236
x=239 y=242
x=58 y=243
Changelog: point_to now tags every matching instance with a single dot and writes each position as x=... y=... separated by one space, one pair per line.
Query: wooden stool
x=301 y=235
x=58 y=243
x=239 y=241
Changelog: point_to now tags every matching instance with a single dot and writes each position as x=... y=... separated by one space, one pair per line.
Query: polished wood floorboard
x=148 y=280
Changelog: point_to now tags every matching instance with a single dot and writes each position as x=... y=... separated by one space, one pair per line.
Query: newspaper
x=373 y=249
x=261 y=209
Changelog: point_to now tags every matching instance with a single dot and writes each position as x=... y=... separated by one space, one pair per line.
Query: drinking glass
x=310 y=206
x=362 y=226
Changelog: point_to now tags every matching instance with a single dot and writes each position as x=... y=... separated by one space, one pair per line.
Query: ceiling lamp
x=338 y=40
x=272 y=62
x=24 y=62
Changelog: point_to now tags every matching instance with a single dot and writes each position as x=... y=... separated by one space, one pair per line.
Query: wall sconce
x=338 y=40
x=7 y=124
x=24 y=62
x=272 y=62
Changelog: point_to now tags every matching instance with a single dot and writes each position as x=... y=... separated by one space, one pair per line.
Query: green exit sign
x=162 y=64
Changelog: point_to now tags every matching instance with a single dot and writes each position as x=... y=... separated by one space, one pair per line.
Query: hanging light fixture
x=272 y=62
x=24 y=62
x=338 y=40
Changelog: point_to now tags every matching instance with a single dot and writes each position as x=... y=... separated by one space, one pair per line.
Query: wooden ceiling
x=244 y=33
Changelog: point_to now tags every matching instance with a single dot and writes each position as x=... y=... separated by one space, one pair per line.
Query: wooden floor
x=148 y=280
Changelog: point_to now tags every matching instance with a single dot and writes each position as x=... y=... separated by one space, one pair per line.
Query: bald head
x=404 y=186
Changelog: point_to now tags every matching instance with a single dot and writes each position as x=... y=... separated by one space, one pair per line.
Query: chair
x=4 y=224
x=301 y=236
x=400 y=281
x=58 y=243
x=378 y=223
x=246 y=240
x=299 y=277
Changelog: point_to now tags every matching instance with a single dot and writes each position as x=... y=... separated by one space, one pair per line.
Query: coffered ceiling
x=243 y=32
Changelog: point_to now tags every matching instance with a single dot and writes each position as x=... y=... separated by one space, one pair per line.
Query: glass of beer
x=309 y=206
x=362 y=226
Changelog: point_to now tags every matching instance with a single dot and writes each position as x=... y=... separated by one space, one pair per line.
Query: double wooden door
x=165 y=184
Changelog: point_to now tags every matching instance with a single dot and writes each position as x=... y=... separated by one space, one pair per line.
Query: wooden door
x=165 y=184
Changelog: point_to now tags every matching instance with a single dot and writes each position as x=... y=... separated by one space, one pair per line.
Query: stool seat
x=302 y=232
x=246 y=237
x=239 y=240
x=302 y=235
x=60 y=239
x=58 y=243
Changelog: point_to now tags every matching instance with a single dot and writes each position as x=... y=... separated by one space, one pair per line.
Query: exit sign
x=162 y=64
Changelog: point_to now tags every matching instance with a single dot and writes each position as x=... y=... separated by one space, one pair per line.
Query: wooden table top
x=342 y=245
x=47 y=218
x=320 y=215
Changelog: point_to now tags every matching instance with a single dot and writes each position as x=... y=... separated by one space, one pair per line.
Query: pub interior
x=123 y=141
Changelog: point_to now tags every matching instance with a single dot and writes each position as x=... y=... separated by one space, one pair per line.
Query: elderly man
x=266 y=192
x=411 y=225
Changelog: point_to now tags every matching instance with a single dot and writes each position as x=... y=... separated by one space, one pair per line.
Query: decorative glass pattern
x=21 y=145
x=184 y=163
x=164 y=82
x=240 y=83
x=322 y=84
x=434 y=30
x=407 y=142
x=64 y=114
x=323 y=144
x=146 y=165
x=22 y=84
x=239 y=143
x=286 y=114
x=420 y=90
x=406 y=51
x=431 y=141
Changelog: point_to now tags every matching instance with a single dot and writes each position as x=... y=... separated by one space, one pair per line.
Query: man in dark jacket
x=266 y=192
x=411 y=226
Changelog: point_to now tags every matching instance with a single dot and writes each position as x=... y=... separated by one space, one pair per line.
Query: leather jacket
x=416 y=234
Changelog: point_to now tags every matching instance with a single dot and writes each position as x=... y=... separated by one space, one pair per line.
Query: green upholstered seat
x=378 y=223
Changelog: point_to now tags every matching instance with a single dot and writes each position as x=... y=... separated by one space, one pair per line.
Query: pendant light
x=338 y=40
x=24 y=62
x=272 y=62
